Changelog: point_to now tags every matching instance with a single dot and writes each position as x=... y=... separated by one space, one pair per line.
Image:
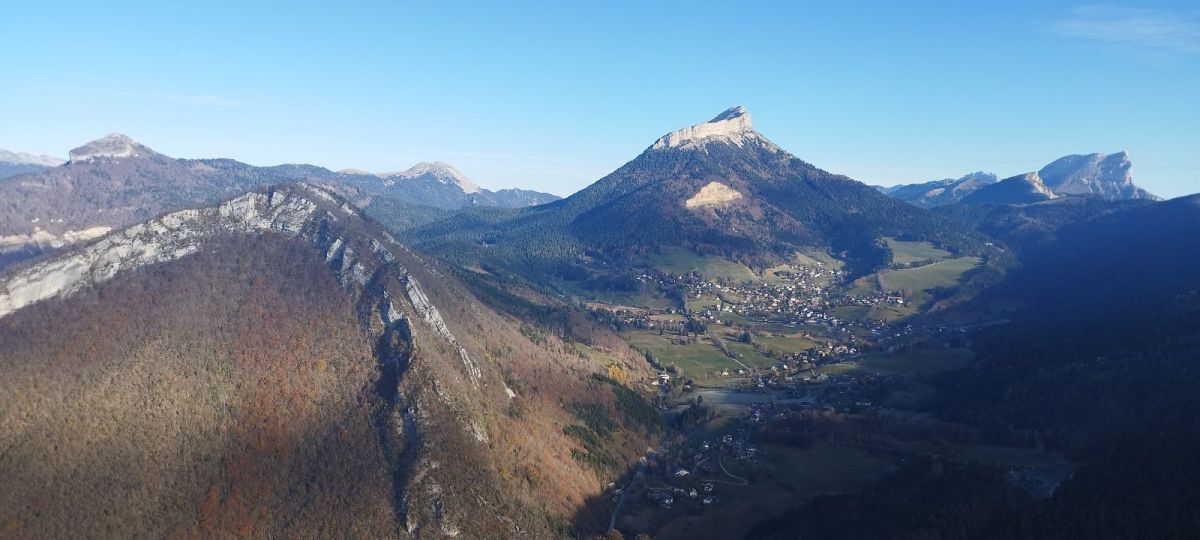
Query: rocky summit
x=1108 y=176
x=111 y=146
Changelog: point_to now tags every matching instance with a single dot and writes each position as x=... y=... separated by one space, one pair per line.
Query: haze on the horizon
x=552 y=97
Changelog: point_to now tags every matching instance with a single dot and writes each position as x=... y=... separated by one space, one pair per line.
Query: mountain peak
x=731 y=126
x=1109 y=176
x=113 y=145
x=442 y=172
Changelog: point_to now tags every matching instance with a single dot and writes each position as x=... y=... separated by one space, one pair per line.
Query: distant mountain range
x=1108 y=177
x=718 y=187
x=939 y=192
x=115 y=181
x=12 y=163
x=442 y=186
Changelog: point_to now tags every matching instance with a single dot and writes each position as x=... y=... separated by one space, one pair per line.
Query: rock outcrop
x=731 y=127
x=111 y=146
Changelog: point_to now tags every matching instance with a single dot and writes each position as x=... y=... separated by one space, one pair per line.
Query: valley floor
x=789 y=386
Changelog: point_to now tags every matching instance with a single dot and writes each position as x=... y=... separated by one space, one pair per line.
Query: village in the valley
x=779 y=379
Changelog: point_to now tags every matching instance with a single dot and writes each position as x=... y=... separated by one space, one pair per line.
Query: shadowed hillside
x=278 y=366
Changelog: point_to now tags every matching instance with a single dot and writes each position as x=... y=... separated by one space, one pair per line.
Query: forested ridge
x=228 y=394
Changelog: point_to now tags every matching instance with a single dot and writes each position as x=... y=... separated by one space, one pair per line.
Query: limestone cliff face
x=1109 y=176
x=445 y=433
x=730 y=127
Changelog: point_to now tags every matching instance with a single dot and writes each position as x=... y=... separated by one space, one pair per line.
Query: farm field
x=941 y=274
x=816 y=258
x=702 y=303
x=786 y=343
x=887 y=313
x=692 y=360
x=909 y=252
x=921 y=280
x=864 y=286
x=701 y=359
x=642 y=300
x=677 y=260
x=749 y=356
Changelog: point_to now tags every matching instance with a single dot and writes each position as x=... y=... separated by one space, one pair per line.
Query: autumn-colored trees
x=229 y=393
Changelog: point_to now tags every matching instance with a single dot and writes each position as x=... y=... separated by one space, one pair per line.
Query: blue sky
x=553 y=95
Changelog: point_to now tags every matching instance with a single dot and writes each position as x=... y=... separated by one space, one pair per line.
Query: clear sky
x=553 y=95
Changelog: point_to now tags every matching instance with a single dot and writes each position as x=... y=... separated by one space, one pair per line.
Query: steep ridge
x=1021 y=189
x=454 y=395
x=13 y=163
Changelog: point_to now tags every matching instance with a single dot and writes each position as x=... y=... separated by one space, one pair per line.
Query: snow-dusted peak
x=441 y=172
x=29 y=159
x=731 y=126
x=113 y=146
